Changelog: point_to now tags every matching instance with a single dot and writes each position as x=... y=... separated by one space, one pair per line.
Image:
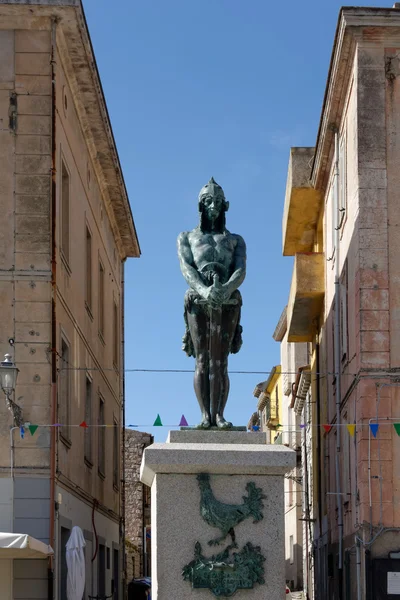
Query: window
x=115 y=579
x=290 y=482
x=88 y=421
x=343 y=313
x=101 y=571
x=343 y=177
x=287 y=369
x=290 y=427
x=334 y=220
x=65 y=201
x=116 y=455
x=115 y=336
x=101 y=439
x=88 y=269
x=334 y=342
x=64 y=400
x=146 y=496
x=291 y=546
x=65 y=533
x=345 y=458
x=101 y=300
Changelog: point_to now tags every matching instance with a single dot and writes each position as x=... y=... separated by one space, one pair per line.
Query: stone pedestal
x=232 y=460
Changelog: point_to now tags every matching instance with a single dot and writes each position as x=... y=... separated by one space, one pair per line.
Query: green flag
x=397 y=428
x=157 y=422
x=32 y=429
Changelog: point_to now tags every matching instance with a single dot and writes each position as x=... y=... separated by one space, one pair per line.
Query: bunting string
x=352 y=428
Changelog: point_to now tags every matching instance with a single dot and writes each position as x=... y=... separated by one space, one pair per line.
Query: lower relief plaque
x=228 y=571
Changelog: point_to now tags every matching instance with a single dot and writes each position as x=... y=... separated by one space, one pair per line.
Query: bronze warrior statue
x=213 y=262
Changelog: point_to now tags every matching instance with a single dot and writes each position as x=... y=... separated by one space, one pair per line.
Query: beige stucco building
x=341 y=222
x=66 y=230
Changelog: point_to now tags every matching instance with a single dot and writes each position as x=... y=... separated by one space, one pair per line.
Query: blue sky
x=201 y=88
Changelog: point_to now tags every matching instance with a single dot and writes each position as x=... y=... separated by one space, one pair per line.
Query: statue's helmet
x=212 y=188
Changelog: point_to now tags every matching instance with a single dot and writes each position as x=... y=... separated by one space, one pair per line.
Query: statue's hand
x=214 y=297
x=217 y=294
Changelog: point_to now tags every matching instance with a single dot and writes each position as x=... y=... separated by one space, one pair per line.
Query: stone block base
x=180 y=511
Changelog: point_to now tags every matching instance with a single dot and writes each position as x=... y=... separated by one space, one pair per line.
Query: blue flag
x=374 y=428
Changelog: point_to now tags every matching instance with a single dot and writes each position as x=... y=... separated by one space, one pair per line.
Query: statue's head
x=212 y=207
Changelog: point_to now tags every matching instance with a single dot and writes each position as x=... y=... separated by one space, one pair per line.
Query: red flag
x=83 y=424
x=327 y=428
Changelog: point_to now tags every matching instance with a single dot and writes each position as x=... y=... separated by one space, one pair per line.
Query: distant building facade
x=341 y=223
x=66 y=231
x=277 y=418
x=137 y=507
x=293 y=357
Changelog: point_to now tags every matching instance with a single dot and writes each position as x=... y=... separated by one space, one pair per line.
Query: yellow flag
x=351 y=429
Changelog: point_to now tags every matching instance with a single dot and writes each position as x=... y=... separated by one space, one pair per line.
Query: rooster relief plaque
x=228 y=571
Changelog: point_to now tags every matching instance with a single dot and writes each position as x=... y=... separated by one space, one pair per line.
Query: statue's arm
x=239 y=272
x=188 y=269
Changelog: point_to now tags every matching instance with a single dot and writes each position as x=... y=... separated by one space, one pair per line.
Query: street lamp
x=8 y=375
x=8 y=379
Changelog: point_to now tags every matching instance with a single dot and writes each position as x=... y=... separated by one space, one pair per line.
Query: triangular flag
x=32 y=429
x=374 y=428
x=302 y=425
x=22 y=432
x=183 y=422
x=256 y=427
x=351 y=429
x=157 y=422
x=133 y=425
x=327 y=428
x=57 y=425
x=279 y=425
x=83 y=424
x=397 y=428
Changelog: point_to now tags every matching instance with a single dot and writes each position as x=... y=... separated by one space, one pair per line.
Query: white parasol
x=76 y=564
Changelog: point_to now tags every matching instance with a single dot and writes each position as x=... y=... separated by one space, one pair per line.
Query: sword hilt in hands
x=216 y=284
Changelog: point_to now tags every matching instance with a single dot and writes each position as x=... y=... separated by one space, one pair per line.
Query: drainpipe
x=338 y=370
x=306 y=508
x=358 y=568
x=122 y=501
x=53 y=314
x=319 y=464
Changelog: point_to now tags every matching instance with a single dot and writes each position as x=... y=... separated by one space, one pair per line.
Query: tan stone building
x=137 y=507
x=341 y=222
x=66 y=230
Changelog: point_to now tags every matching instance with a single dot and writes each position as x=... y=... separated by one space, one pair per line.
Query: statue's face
x=212 y=202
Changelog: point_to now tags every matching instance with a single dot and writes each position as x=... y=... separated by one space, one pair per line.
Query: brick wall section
x=135 y=443
x=373 y=274
x=32 y=230
x=374 y=279
x=25 y=197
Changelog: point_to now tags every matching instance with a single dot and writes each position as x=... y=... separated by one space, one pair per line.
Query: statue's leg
x=215 y=345
x=229 y=321
x=199 y=330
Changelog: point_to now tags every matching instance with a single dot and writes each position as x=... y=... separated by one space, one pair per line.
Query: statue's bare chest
x=207 y=247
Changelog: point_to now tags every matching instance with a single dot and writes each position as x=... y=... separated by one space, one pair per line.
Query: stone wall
x=137 y=502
